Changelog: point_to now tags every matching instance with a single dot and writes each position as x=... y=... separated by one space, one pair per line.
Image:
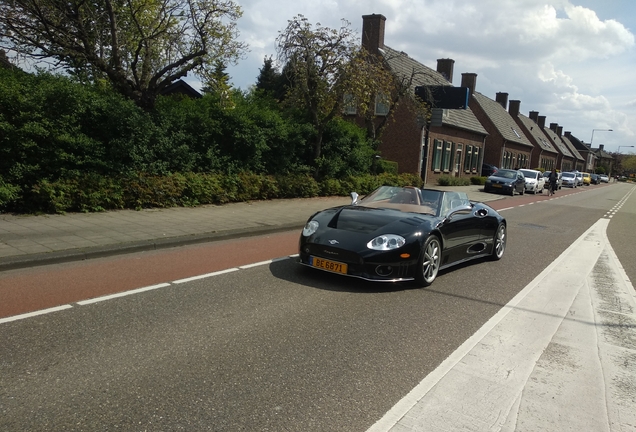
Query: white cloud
x=558 y=56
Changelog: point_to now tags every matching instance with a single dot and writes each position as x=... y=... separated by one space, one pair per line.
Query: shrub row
x=90 y=193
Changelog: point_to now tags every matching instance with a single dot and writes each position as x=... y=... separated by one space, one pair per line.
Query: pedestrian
x=553 y=179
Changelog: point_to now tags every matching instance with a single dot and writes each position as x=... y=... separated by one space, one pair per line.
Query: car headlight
x=386 y=242
x=310 y=228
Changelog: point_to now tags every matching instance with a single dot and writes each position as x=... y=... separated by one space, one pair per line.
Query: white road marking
x=122 y=294
x=203 y=276
x=32 y=314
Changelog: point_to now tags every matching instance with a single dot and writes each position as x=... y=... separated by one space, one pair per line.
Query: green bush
x=475 y=180
x=452 y=181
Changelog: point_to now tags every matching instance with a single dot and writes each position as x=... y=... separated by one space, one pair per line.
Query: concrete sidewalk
x=35 y=240
x=561 y=356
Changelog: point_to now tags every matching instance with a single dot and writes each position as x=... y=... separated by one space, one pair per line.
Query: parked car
x=595 y=179
x=569 y=179
x=534 y=180
x=587 y=178
x=507 y=181
x=579 y=178
x=546 y=177
x=397 y=234
x=487 y=170
x=604 y=178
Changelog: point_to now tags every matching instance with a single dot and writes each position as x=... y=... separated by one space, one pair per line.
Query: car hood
x=496 y=179
x=365 y=220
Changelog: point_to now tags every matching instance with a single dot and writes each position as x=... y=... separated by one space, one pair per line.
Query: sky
x=573 y=61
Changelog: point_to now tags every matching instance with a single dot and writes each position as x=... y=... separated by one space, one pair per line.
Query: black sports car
x=402 y=233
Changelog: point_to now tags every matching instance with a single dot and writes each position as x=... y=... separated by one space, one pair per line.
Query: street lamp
x=619 y=148
x=592 y=139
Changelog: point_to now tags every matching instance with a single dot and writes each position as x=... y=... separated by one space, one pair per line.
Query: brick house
x=604 y=159
x=588 y=155
x=544 y=155
x=566 y=160
x=454 y=148
x=579 y=161
x=506 y=144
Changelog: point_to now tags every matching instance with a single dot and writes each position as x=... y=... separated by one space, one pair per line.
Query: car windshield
x=529 y=173
x=568 y=175
x=409 y=199
x=509 y=174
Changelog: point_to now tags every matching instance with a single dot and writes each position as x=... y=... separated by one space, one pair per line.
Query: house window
x=476 y=157
x=348 y=105
x=437 y=155
x=447 y=156
x=382 y=104
x=468 y=158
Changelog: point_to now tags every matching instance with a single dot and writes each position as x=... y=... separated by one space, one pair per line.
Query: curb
x=80 y=254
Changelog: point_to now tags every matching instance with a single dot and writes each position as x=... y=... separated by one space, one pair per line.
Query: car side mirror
x=354 y=198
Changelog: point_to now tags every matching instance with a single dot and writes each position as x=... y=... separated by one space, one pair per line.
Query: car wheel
x=499 y=242
x=430 y=259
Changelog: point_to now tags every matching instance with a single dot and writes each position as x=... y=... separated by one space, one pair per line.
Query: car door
x=461 y=230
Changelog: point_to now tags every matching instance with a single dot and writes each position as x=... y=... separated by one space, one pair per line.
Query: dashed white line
x=203 y=276
x=122 y=294
x=36 y=313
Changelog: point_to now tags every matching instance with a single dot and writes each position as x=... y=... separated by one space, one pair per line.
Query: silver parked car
x=569 y=179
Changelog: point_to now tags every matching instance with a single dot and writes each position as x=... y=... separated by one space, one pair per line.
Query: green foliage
x=138 y=47
x=452 y=181
x=8 y=193
x=385 y=166
x=475 y=180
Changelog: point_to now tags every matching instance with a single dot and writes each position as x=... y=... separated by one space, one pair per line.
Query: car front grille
x=334 y=253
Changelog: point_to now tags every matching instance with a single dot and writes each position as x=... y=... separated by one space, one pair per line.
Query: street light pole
x=619 y=148
x=592 y=139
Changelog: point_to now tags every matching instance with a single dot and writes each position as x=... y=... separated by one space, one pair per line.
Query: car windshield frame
x=406 y=199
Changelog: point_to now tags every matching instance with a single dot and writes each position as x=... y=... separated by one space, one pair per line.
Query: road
x=267 y=347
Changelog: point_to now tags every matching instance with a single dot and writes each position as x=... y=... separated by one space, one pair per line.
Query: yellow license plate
x=496 y=185
x=328 y=265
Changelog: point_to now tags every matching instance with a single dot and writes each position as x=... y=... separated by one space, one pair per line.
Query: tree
x=270 y=80
x=218 y=83
x=139 y=46
x=325 y=66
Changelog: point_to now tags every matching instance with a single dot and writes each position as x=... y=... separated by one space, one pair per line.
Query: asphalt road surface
x=269 y=347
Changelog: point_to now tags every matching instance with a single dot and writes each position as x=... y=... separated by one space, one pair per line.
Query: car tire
x=499 y=242
x=429 y=262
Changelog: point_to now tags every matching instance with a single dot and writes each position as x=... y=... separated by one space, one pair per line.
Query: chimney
x=601 y=147
x=534 y=116
x=513 y=108
x=469 y=80
x=559 y=130
x=502 y=98
x=445 y=67
x=568 y=134
x=373 y=32
x=541 y=121
x=554 y=126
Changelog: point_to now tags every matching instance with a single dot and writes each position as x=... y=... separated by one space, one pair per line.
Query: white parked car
x=604 y=178
x=534 y=180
